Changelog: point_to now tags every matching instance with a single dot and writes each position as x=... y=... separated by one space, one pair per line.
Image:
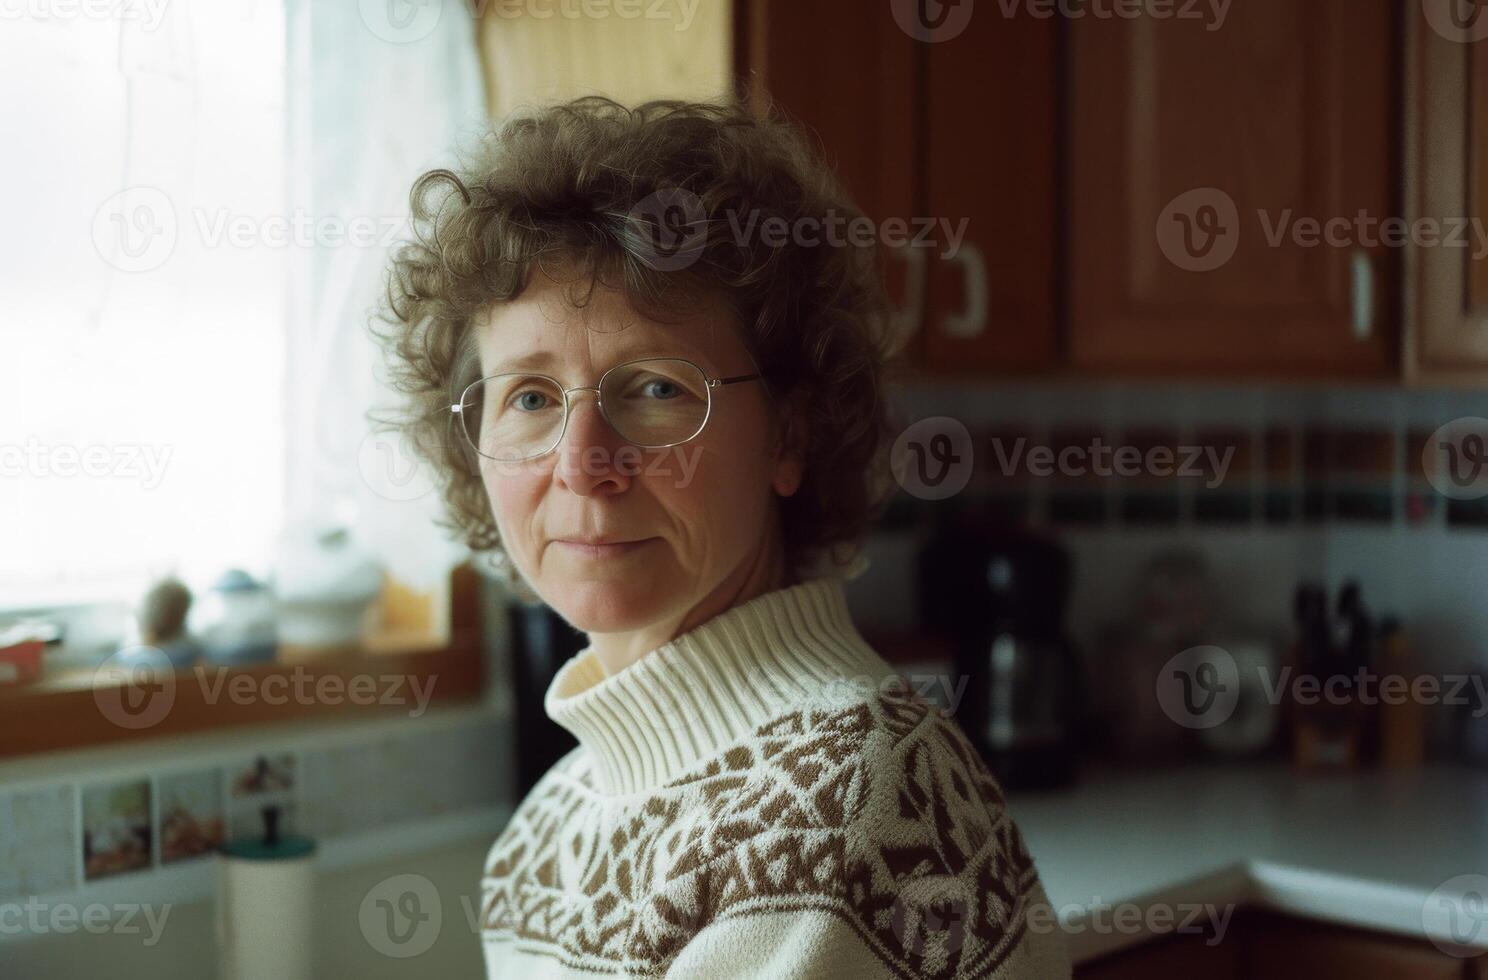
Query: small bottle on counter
x=1402 y=720
x=1326 y=713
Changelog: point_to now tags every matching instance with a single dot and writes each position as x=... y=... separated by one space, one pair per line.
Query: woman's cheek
x=514 y=500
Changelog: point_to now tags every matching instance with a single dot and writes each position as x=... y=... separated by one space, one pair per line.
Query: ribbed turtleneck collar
x=708 y=688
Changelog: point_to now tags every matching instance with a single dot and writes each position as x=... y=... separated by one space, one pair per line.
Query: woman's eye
x=661 y=389
x=530 y=401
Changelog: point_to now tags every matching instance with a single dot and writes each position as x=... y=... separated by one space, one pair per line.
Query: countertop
x=1391 y=851
x=1370 y=850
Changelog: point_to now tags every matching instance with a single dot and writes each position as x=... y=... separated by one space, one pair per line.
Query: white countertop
x=1372 y=849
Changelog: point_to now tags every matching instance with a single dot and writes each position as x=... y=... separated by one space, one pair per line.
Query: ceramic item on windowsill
x=325 y=583
x=234 y=621
x=159 y=628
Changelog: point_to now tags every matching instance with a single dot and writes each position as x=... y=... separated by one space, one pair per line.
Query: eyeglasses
x=651 y=403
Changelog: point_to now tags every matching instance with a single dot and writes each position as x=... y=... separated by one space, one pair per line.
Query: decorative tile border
x=1194 y=457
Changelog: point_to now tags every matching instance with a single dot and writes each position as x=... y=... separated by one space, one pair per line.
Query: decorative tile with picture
x=191 y=814
x=256 y=784
x=116 y=828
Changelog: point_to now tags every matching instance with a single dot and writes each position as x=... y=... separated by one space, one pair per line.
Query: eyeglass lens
x=650 y=403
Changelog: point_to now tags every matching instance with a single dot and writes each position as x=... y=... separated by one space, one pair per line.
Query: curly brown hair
x=558 y=188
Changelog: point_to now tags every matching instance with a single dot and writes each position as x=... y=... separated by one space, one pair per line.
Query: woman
x=651 y=381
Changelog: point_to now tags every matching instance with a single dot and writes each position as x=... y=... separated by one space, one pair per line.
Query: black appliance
x=998 y=595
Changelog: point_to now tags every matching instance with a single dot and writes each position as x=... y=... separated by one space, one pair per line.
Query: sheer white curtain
x=198 y=199
x=378 y=92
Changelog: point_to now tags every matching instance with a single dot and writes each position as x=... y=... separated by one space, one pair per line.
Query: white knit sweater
x=759 y=798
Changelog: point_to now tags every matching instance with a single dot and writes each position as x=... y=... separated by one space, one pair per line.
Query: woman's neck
x=764 y=571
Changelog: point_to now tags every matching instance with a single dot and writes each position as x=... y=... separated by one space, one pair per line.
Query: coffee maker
x=998 y=595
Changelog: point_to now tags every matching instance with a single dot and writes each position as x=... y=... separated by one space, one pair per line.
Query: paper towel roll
x=266 y=909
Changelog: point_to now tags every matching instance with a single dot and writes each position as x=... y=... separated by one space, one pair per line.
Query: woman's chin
x=609 y=606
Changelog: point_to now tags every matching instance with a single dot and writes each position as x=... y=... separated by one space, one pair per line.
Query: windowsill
x=76 y=710
x=380 y=679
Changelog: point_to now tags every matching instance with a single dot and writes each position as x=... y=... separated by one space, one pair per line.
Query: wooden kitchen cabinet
x=847 y=72
x=1285 y=112
x=1447 y=110
x=1287 y=948
x=1174 y=958
x=992 y=122
x=960 y=132
x=1157 y=196
x=1264 y=945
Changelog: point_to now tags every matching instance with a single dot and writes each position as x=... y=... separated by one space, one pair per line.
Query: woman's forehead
x=543 y=328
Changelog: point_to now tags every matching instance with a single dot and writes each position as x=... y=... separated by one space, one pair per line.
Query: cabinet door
x=1281 y=948
x=848 y=72
x=992 y=107
x=1168 y=958
x=1202 y=153
x=1449 y=100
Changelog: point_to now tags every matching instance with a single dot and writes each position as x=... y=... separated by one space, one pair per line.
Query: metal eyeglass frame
x=458 y=407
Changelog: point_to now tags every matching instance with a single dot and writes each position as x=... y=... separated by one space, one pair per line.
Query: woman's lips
x=598 y=551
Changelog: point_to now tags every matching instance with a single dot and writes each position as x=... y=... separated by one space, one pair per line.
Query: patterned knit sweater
x=761 y=798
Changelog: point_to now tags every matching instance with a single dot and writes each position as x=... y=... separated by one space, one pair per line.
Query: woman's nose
x=587 y=460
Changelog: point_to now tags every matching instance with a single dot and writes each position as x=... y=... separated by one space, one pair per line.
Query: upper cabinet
x=848 y=72
x=991 y=174
x=1227 y=180
x=942 y=121
x=1188 y=190
x=1447 y=111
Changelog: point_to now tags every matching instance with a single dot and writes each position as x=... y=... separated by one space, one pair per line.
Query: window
x=143 y=280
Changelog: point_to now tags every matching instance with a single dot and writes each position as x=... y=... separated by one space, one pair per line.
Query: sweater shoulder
x=885 y=739
x=879 y=813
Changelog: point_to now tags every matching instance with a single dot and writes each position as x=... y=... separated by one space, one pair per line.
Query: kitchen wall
x=380 y=798
x=1324 y=483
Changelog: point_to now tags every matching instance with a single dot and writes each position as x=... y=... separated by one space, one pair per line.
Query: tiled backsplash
x=1129 y=456
x=39 y=851
x=103 y=822
x=1317 y=483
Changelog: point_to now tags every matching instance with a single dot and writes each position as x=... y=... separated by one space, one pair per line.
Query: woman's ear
x=790 y=451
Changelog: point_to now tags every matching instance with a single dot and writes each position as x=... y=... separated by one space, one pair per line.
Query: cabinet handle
x=908 y=317
x=972 y=319
x=1363 y=294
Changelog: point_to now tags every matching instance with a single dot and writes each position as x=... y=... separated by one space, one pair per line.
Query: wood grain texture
x=1448 y=118
x=1286 y=108
x=70 y=712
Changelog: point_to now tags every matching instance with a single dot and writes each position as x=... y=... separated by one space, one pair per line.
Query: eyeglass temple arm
x=716 y=382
